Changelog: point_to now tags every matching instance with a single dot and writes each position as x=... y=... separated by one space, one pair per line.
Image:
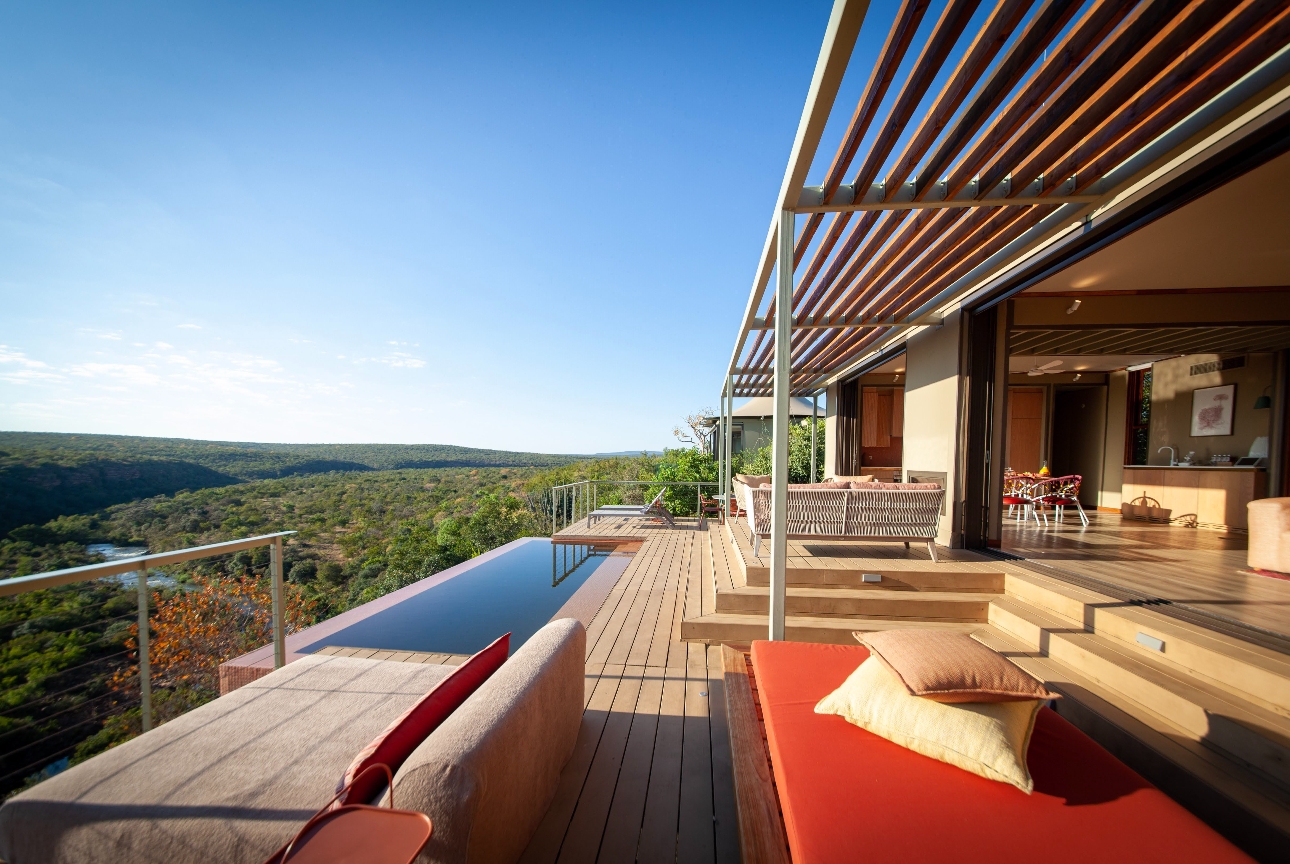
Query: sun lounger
x=235 y=779
x=847 y=794
x=655 y=509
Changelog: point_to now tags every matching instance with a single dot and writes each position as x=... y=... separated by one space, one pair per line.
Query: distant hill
x=47 y=474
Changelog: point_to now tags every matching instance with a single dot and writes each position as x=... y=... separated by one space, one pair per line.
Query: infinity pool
x=516 y=588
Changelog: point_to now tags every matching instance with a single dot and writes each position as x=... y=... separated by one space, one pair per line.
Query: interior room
x=1154 y=372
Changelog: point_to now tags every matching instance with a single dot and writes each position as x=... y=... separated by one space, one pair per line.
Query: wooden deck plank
x=694 y=833
x=587 y=827
x=662 y=802
x=657 y=615
x=603 y=638
x=667 y=628
x=623 y=825
x=641 y=784
x=544 y=848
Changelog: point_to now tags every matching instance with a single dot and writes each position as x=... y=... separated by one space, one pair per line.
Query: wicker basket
x=1145 y=508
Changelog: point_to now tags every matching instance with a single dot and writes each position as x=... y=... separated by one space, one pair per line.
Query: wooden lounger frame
x=761 y=827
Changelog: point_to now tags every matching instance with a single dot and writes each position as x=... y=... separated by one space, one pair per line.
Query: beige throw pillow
x=989 y=739
x=952 y=667
x=752 y=481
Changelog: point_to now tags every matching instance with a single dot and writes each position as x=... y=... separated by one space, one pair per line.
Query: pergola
x=1052 y=114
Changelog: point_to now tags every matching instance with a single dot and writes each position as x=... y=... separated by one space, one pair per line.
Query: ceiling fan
x=1046 y=369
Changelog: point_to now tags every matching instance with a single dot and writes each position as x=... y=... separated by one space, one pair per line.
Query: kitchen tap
x=1172 y=456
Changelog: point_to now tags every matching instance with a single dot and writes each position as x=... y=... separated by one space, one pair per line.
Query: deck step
x=1240 y=802
x=874 y=602
x=913 y=574
x=1252 y=672
x=730 y=627
x=1206 y=713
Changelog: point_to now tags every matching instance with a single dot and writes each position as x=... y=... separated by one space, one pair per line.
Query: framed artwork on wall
x=1211 y=410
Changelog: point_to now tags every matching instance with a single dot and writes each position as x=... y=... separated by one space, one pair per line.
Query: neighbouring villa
x=1034 y=604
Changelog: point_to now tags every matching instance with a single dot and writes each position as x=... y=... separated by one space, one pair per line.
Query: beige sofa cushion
x=487 y=775
x=1269 y=526
x=230 y=781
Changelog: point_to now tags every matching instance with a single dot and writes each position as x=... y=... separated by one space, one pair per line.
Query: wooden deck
x=1199 y=568
x=650 y=777
x=623 y=528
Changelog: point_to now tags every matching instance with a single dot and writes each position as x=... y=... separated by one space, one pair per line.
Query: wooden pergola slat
x=1030 y=127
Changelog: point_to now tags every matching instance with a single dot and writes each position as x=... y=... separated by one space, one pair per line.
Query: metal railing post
x=279 y=625
x=145 y=668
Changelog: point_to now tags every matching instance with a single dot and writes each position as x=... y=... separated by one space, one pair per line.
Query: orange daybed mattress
x=848 y=795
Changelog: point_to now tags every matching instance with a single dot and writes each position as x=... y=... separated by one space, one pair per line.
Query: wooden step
x=1237 y=801
x=1208 y=714
x=735 y=628
x=1252 y=672
x=913 y=574
x=867 y=603
x=959 y=581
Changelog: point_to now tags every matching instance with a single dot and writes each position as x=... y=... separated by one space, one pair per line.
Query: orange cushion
x=945 y=666
x=393 y=746
x=848 y=795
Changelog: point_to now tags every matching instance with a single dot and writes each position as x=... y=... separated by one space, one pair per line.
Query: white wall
x=1117 y=398
x=932 y=379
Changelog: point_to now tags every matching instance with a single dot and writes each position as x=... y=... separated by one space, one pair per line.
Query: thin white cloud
x=124 y=373
x=13 y=355
x=164 y=346
x=112 y=336
x=396 y=359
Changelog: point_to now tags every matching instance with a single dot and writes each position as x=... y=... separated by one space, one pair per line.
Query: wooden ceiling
x=1043 y=102
x=1155 y=340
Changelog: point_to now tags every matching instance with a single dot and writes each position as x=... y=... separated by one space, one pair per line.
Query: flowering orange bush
x=195 y=630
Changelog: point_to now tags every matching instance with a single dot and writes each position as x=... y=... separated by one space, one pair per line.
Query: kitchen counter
x=1205 y=496
x=1195 y=468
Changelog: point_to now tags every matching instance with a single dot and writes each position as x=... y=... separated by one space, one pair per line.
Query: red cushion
x=405 y=734
x=848 y=795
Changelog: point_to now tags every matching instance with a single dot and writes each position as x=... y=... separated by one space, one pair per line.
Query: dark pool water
x=513 y=592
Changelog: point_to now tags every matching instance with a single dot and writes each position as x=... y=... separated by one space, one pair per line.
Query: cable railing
x=68 y=656
x=572 y=502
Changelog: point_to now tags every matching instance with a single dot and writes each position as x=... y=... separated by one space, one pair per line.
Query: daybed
x=849 y=795
x=233 y=780
x=903 y=512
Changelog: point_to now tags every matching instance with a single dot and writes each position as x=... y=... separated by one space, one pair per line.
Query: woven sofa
x=233 y=780
x=898 y=512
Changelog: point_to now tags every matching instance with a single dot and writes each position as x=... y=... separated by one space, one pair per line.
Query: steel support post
x=279 y=612
x=730 y=422
x=145 y=668
x=719 y=450
x=815 y=413
x=779 y=450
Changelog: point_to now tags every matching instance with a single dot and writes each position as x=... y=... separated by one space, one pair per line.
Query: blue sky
x=500 y=225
